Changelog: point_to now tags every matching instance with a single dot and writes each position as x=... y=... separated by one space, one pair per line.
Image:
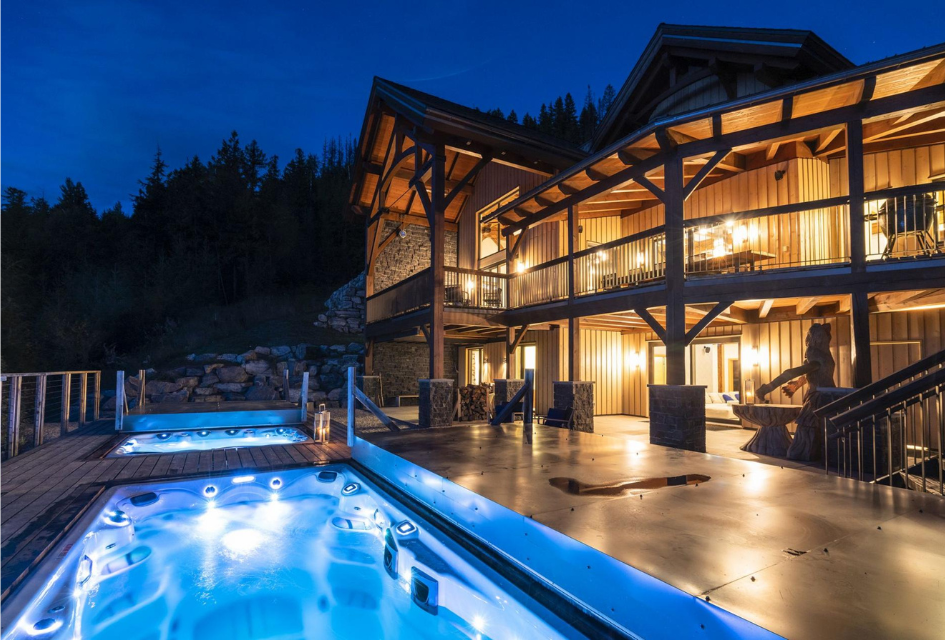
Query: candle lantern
x=749 y=391
x=322 y=425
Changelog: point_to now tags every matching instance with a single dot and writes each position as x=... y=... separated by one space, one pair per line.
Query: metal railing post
x=351 y=375
x=119 y=399
x=66 y=401
x=39 y=410
x=83 y=397
x=96 y=401
x=285 y=383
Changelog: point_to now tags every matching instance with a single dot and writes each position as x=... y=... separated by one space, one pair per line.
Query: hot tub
x=309 y=553
x=207 y=439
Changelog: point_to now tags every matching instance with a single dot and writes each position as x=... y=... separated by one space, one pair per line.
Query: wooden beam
x=516 y=336
x=456 y=190
x=652 y=188
x=674 y=226
x=652 y=322
x=693 y=333
x=437 y=259
x=806 y=304
x=826 y=138
x=704 y=172
x=860 y=318
x=855 y=182
x=765 y=308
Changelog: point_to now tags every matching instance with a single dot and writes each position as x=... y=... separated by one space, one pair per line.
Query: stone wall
x=401 y=364
x=406 y=256
x=677 y=416
x=346 y=308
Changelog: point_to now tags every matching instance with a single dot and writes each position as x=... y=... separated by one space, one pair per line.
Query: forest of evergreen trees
x=79 y=285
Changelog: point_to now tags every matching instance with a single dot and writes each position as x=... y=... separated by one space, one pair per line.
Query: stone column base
x=579 y=397
x=436 y=402
x=677 y=416
x=505 y=389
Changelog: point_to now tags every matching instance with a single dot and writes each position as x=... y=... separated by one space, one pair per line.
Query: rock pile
x=346 y=308
x=254 y=375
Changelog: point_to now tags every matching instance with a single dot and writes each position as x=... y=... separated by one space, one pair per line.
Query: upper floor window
x=491 y=240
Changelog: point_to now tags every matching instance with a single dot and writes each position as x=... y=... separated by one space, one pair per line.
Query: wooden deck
x=47 y=488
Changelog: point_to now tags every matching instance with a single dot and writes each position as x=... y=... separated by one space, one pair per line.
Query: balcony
x=905 y=223
x=463 y=288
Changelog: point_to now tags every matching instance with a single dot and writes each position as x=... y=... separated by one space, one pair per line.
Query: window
x=491 y=240
x=474 y=366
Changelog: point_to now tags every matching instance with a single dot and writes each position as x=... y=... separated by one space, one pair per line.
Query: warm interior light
x=601 y=256
x=470 y=285
x=742 y=234
x=520 y=267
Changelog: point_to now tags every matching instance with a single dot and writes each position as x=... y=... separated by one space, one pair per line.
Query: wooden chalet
x=744 y=184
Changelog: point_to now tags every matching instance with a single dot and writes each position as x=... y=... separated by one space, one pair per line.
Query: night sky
x=91 y=89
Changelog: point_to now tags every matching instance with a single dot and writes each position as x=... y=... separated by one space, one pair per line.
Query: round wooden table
x=772 y=437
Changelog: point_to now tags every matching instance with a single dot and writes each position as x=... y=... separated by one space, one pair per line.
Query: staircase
x=892 y=431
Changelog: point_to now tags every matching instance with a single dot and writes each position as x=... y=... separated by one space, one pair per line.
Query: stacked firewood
x=474 y=402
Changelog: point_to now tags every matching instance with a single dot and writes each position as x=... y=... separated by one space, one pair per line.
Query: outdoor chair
x=561 y=418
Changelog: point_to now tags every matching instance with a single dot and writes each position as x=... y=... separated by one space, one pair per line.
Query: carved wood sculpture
x=816 y=373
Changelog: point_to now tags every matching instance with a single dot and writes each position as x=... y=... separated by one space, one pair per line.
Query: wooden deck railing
x=546 y=282
x=473 y=289
x=409 y=294
x=33 y=401
x=906 y=222
x=626 y=262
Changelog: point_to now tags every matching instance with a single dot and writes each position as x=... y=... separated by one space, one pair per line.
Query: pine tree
x=512 y=117
x=569 y=121
x=606 y=99
x=529 y=122
x=588 y=119
x=545 y=120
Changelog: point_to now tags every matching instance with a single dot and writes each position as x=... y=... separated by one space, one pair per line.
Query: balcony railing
x=627 y=262
x=472 y=289
x=407 y=295
x=907 y=222
x=791 y=236
x=546 y=282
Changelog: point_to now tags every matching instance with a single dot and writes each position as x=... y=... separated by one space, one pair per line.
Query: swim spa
x=318 y=552
x=208 y=439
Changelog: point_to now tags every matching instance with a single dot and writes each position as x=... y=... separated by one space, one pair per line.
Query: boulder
x=280 y=352
x=191 y=357
x=109 y=404
x=299 y=351
x=179 y=372
x=337 y=349
x=204 y=391
x=232 y=396
x=355 y=347
x=331 y=381
x=294 y=395
x=205 y=357
x=209 y=398
x=318 y=396
x=259 y=392
x=257 y=367
x=262 y=351
x=322 y=318
x=194 y=371
x=312 y=370
x=230 y=387
x=169 y=398
x=158 y=387
x=228 y=357
x=189 y=381
x=207 y=368
x=232 y=374
x=246 y=357
x=209 y=380
x=334 y=395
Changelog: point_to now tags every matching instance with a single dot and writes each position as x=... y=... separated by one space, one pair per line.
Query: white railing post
x=39 y=410
x=119 y=400
x=66 y=401
x=351 y=401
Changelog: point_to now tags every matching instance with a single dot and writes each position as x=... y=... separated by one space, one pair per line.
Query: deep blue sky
x=91 y=88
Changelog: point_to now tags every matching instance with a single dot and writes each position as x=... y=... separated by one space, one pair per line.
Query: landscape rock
x=210 y=398
x=247 y=357
x=259 y=392
x=279 y=352
x=355 y=347
x=230 y=397
x=157 y=387
x=168 y=398
x=228 y=357
x=205 y=357
x=188 y=382
x=257 y=367
x=230 y=387
x=204 y=391
x=263 y=351
x=209 y=380
x=193 y=371
x=232 y=374
x=207 y=368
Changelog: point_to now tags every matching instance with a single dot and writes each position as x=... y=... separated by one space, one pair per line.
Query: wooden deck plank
x=233 y=459
x=259 y=458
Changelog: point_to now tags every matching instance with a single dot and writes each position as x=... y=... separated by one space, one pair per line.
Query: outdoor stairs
x=891 y=431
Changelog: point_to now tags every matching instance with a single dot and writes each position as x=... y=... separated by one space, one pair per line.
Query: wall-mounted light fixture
x=635 y=360
x=753 y=357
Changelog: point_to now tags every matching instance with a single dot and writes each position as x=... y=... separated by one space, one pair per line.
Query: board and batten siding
x=494 y=181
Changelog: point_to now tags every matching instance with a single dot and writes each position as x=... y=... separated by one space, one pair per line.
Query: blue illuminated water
x=278 y=555
x=207 y=439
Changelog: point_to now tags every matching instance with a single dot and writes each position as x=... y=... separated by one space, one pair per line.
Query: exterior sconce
x=752 y=357
x=635 y=360
x=322 y=425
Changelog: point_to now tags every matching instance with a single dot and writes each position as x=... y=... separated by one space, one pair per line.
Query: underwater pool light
x=163 y=436
x=405 y=528
x=231 y=432
x=210 y=491
x=203 y=434
x=42 y=627
x=117 y=518
x=350 y=489
x=243 y=479
x=275 y=484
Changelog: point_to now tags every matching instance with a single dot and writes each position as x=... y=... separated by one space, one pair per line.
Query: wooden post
x=13 y=416
x=855 y=181
x=369 y=358
x=66 y=401
x=119 y=399
x=510 y=368
x=97 y=400
x=83 y=397
x=351 y=375
x=142 y=383
x=675 y=273
x=39 y=410
x=862 y=358
x=437 y=259
x=574 y=324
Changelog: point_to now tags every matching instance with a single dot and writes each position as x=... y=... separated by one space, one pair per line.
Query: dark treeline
x=560 y=117
x=79 y=285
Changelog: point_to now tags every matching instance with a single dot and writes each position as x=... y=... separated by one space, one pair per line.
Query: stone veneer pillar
x=505 y=389
x=677 y=416
x=436 y=402
x=579 y=396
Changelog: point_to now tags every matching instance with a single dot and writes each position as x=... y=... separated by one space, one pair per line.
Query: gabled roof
x=682 y=58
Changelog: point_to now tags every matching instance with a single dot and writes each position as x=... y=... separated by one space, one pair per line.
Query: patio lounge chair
x=561 y=418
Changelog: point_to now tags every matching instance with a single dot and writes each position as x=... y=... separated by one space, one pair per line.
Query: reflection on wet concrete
x=578 y=488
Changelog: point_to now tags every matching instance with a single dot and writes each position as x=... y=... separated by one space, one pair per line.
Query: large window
x=491 y=240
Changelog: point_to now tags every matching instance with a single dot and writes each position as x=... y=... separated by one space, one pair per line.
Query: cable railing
x=37 y=407
x=627 y=262
x=906 y=222
x=790 y=236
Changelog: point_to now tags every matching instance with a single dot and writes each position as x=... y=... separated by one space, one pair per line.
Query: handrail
x=890 y=399
x=642 y=235
x=870 y=390
x=399 y=283
x=911 y=190
x=48 y=373
x=764 y=212
x=477 y=272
